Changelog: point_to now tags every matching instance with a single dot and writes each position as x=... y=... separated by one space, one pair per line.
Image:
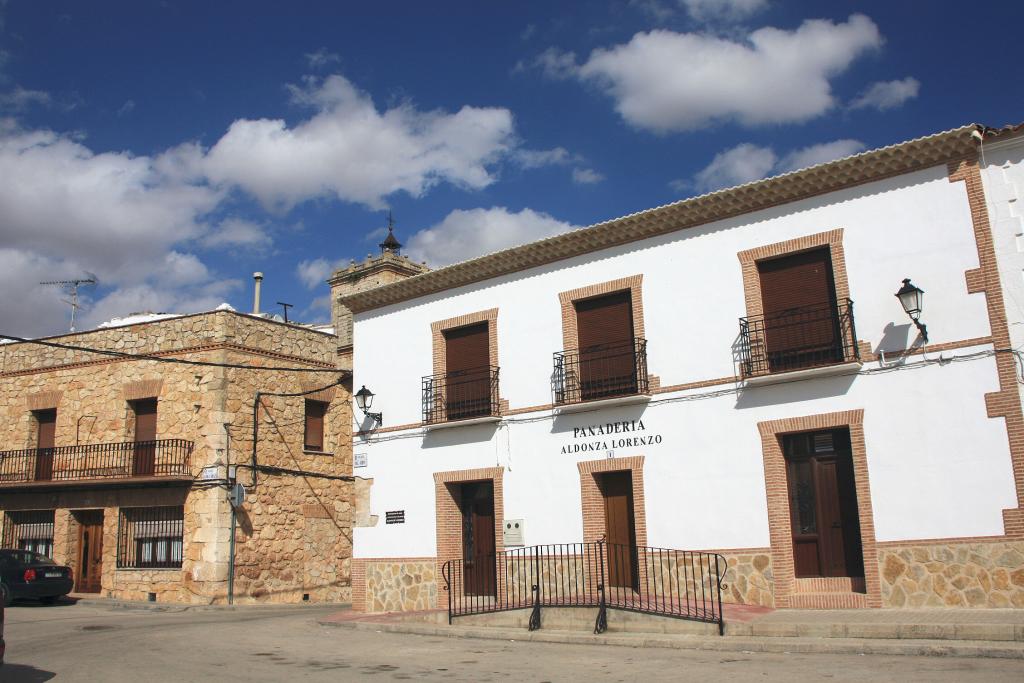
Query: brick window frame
x=448 y=514
x=439 y=344
x=592 y=503
x=779 y=524
x=567 y=300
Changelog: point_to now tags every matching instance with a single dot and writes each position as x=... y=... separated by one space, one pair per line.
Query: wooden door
x=45 y=442
x=478 y=546
x=467 y=383
x=145 y=437
x=90 y=552
x=823 y=505
x=801 y=322
x=620 y=528
x=604 y=332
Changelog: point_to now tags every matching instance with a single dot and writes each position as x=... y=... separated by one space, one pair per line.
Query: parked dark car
x=25 y=574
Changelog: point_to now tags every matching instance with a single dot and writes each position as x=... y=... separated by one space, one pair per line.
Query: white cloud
x=65 y=210
x=352 y=151
x=555 y=63
x=728 y=10
x=20 y=99
x=237 y=232
x=535 y=158
x=887 y=94
x=666 y=81
x=127 y=108
x=314 y=273
x=466 y=234
x=820 y=154
x=746 y=162
x=586 y=176
x=321 y=58
x=741 y=164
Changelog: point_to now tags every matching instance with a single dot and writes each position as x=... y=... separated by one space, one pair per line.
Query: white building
x=729 y=373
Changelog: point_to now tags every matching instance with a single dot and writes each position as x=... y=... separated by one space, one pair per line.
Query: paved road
x=75 y=643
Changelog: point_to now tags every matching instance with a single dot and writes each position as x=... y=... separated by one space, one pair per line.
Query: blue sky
x=172 y=148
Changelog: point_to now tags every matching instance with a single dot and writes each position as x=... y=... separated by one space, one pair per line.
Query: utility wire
x=164 y=359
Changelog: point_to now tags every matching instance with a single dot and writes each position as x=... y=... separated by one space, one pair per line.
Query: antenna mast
x=72 y=286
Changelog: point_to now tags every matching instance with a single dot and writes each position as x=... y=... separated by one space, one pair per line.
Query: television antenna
x=71 y=286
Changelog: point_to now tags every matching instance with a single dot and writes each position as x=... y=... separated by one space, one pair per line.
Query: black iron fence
x=797 y=338
x=673 y=583
x=460 y=395
x=602 y=371
x=161 y=458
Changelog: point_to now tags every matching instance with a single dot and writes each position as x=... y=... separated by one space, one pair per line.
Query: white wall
x=938 y=466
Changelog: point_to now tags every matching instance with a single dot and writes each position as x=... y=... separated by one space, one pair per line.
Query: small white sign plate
x=209 y=473
x=514 y=532
x=359 y=460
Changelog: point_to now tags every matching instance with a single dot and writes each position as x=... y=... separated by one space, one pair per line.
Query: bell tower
x=387 y=267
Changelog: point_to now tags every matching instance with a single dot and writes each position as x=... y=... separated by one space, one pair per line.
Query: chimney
x=258 y=277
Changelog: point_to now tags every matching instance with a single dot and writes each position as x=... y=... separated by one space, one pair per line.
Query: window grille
x=150 y=537
x=29 y=530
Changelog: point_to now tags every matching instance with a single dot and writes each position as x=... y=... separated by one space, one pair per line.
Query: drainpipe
x=258 y=277
x=231 y=559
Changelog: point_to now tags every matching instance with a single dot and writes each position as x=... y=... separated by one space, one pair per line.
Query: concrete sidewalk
x=956 y=633
x=92 y=600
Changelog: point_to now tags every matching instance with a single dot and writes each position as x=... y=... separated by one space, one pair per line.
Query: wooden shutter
x=46 y=434
x=314 y=437
x=799 y=303
x=798 y=281
x=467 y=348
x=145 y=419
x=604 y=319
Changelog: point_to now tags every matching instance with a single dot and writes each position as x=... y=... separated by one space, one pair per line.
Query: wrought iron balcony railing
x=461 y=395
x=161 y=458
x=602 y=371
x=798 y=338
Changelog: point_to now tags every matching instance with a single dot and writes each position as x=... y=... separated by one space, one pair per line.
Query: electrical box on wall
x=515 y=532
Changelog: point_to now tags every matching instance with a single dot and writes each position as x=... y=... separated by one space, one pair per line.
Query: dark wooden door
x=90 y=552
x=478 y=547
x=604 y=331
x=823 y=505
x=45 y=442
x=620 y=528
x=801 y=322
x=145 y=437
x=467 y=381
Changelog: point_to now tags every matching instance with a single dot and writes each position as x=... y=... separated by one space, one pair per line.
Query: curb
x=796 y=644
x=176 y=607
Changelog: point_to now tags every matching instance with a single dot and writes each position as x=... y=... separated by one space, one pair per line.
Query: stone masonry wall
x=401 y=586
x=294 y=533
x=978 y=574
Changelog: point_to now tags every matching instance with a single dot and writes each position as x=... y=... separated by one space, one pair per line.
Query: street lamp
x=364 y=399
x=912 y=300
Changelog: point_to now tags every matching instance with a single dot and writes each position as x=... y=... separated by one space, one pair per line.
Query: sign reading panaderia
x=609 y=436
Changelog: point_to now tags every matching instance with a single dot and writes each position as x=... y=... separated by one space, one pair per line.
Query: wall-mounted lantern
x=364 y=399
x=912 y=300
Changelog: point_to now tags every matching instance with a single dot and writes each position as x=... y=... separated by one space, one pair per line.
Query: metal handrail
x=120 y=460
x=797 y=338
x=460 y=395
x=600 y=371
x=662 y=581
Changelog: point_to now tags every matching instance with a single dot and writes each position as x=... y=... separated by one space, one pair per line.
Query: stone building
x=119 y=446
x=725 y=388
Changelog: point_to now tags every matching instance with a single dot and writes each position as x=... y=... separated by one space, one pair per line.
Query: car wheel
x=5 y=595
x=48 y=600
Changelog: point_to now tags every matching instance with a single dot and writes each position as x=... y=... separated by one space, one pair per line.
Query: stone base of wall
x=395 y=585
x=968 y=574
x=749 y=579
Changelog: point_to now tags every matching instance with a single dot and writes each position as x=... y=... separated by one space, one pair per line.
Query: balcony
x=799 y=339
x=461 y=397
x=600 y=373
x=164 y=458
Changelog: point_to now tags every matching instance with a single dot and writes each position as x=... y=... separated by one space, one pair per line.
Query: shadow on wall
x=895 y=338
x=794 y=391
x=459 y=436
